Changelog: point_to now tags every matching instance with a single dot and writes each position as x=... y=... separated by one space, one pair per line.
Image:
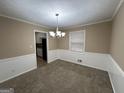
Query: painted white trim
x=53 y=55
x=15 y=66
x=117 y=8
x=101 y=21
x=18 y=74
x=47 y=36
x=84 y=37
x=113 y=87
x=22 y=20
x=95 y=60
x=117 y=82
x=93 y=23
x=116 y=75
x=70 y=27
x=84 y=40
x=114 y=67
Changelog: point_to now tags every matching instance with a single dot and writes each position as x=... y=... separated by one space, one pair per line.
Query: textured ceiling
x=72 y=12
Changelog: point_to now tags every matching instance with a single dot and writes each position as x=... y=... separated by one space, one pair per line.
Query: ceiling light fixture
x=57 y=33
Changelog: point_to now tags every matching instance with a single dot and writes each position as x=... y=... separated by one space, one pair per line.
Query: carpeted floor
x=40 y=62
x=61 y=77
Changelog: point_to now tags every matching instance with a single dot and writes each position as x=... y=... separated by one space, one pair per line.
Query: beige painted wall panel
x=52 y=43
x=16 y=38
x=97 y=37
x=117 y=41
x=63 y=43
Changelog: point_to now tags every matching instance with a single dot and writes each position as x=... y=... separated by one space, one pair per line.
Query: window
x=77 y=41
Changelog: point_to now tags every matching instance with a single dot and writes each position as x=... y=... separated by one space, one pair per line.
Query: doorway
x=41 y=48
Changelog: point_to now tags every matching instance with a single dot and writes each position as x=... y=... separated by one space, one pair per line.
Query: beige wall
x=97 y=37
x=63 y=43
x=16 y=38
x=52 y=43
x=117 y=41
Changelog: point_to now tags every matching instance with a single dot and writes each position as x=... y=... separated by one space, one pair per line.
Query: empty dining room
x=61 y=46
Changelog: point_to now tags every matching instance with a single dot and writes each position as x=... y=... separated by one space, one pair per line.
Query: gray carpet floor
x=61 y=77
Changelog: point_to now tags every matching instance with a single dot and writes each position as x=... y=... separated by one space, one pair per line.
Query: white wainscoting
x=12 y=67
x=95 y=60
x=15 y=66
x=116 y=75
x=52 y=55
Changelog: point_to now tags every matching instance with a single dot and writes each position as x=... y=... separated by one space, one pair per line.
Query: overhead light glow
x=57 y=33
x=52 y=34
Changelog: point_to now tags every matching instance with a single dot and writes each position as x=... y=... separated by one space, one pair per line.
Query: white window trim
x=83 y=41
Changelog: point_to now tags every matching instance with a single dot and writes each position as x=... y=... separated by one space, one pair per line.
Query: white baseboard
x=33 y=68
x=117 y=82
x=114 y=68
x=111 y=80
x=12 y=67
x=95 y=60
x=15 y=66
x=116 y=75
x=52 y=55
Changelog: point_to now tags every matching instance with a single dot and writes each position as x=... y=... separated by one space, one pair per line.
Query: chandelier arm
x=57 y=29
x=57 y=33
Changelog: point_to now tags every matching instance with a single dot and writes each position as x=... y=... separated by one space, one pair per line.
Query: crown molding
x=70 y=27
x=117 y=8
x=28 y=22
x=93 y=23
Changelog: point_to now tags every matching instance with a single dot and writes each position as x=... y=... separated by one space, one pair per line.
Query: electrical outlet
x=79 y=60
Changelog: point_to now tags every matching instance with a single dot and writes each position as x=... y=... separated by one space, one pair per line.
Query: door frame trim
x=47 y=37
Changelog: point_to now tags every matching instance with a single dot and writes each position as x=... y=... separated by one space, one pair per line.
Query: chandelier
x=57 y=33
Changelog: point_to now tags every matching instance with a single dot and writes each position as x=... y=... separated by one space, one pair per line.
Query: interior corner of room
x=78 y=45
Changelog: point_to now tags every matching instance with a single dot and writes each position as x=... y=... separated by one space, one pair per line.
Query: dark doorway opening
x=41 y=48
